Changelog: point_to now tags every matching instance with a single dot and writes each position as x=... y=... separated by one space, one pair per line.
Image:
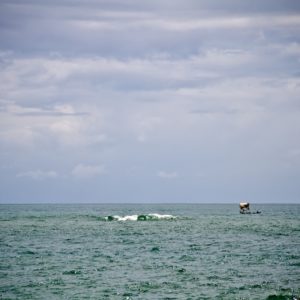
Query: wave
x=143 y=217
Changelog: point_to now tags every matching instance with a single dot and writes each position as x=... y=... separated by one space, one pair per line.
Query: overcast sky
x=149 y=101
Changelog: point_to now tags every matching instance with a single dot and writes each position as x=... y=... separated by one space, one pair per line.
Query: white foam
x=158 y=216
x=142 y=217
x=128 y=218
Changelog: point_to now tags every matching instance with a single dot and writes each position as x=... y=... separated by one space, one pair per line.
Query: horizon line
x=134 y=203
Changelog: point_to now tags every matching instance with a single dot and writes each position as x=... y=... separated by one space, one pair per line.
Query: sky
x=149 y=101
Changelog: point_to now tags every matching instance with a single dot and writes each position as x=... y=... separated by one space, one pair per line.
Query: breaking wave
x=143 y=217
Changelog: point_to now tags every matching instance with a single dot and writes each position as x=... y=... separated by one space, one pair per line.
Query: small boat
x=245 y=209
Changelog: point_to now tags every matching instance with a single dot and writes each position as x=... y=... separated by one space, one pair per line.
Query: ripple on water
x=72 y=253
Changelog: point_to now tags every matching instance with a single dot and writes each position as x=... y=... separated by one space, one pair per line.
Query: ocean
x=149 y=251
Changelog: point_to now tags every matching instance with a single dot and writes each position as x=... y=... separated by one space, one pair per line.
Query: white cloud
x=87 y=171
x=38 y=174
x=173 y=24
x=167 y=175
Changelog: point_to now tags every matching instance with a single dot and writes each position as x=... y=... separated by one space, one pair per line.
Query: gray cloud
x=136 y=29
x=164 y=85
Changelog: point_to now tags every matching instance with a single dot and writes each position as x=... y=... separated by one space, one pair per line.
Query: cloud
x=167 y=175
x=229 y=22
x=137 y=29
x=56 y=111
x=38 y=175
x=87 y=171
x=187 y=85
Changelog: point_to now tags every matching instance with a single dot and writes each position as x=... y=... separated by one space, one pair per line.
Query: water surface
x=202 y=252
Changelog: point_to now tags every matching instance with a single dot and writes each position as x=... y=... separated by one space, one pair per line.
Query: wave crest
x=143 y=217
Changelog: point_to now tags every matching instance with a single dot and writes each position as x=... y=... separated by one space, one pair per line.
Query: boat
x=245 y=209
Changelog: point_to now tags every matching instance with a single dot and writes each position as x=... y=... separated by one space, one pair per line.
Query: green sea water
x=195 y=252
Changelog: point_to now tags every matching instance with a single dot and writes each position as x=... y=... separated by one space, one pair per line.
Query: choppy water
x=204 y=252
